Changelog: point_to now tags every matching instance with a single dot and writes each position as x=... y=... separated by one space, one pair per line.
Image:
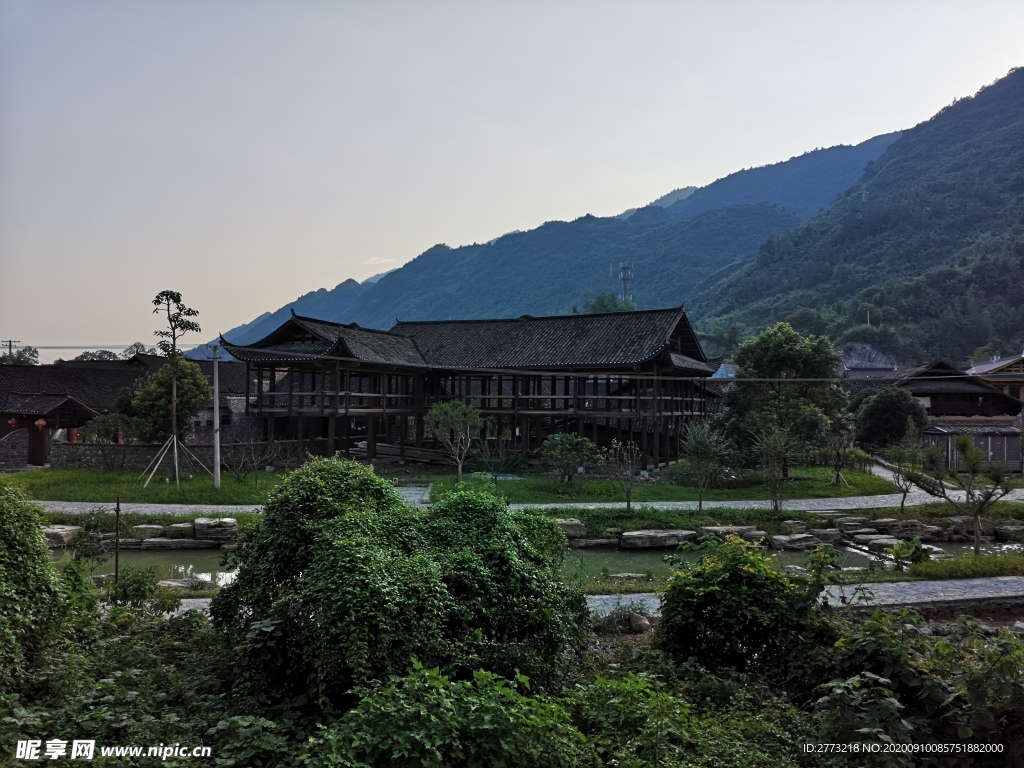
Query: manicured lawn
x=104 y=485
x=804 y=483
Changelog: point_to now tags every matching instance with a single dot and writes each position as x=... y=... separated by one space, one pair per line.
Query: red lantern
x=12 y=422
x=40 y=423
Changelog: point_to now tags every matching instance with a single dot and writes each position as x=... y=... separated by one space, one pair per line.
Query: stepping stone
x=180 y=531
x=141 y=532
x=789 y=527
x=882 y=543
x=721 y=531
x=826 y=535
x=868 y=538
x=754 y=535
x=655 y=538
x=593 y=543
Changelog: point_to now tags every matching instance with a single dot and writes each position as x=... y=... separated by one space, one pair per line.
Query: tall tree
x=169 y=304
x=99 y=354
x=785 y=381
x=23 y=356
x=881 y=419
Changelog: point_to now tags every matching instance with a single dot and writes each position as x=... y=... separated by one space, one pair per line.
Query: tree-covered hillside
x=921 y=258
x=551 y=268
x=802 y=185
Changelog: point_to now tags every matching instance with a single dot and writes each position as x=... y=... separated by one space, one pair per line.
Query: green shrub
x=33 y=603
x=427 y=720
x=736 y=609
x=342 y=584
x=137 y=588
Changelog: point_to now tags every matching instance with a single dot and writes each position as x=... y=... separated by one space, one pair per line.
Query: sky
x=245 y=152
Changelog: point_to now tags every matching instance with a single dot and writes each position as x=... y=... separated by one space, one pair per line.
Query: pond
x=180 y=564
x=588 y=563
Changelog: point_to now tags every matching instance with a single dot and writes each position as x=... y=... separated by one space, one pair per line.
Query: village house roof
x=993 y=366
x=601 y=341
x=974 y=425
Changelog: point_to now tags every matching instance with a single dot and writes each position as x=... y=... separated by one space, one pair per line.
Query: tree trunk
x=977 y=533
x=903 y=503
x=458 y=472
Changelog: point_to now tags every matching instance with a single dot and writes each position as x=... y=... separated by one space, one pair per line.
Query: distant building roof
x=992 y=366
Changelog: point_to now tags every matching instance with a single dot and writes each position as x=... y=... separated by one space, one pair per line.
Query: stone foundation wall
x=71 y=455
x=14 y=450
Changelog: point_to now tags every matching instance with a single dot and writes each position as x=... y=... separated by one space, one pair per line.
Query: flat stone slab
x=754 y=535
x=880 y=545
x=826 y=535
x=594 y=543
x=867 y=538
x=178 y=544
x=655 y=539
x=180 y=531
x=59 y=535
x=184 y=583
x=790 y=527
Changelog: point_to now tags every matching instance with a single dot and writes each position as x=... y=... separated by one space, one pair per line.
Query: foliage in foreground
x=342 y=584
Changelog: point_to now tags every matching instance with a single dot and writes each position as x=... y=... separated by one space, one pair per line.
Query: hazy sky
x=244 y=153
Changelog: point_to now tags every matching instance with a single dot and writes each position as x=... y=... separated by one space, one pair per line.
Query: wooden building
x=998 y=437
x=636 y=376
x=1005 y=373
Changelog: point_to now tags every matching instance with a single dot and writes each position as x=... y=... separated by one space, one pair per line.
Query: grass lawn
x=1003 y=510
x=804 y=483
x=104 y=485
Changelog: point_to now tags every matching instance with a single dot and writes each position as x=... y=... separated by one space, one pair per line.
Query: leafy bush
x=569 y=452
x=342 y=584
x=736 y=609
x=32 y=601
x=137 y=588
x=427 y=720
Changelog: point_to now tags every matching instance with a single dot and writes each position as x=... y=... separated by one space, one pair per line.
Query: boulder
x=655 y=539
x=129 y=544
x=178 y=544
x=59 y=535
x=789 y=527
x=573 y=528
x=862 y=532
x=885 y=524
x=826 y=535
x=914 y=529
x=592 y=543
x=142 y=532
x=882 y=543
x=721 y=531
x=639 y=623
x=754 y=535
x=796 y=541
x=1010 y=533
x=180 y=531
x=221 y=529
x=963 y=525
x=1018 y=626
x=629 y=576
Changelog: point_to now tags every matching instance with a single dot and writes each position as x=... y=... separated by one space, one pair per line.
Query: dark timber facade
x=634 y=376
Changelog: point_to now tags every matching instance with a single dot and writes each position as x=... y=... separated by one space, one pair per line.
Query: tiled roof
x=96 y=388
x=975 y=425
x=29 y=404
x=613 y=340
x=993 y=365
x=617 y=339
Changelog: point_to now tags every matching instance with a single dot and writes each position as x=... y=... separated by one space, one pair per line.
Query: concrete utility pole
x=216 y=420
x=10 y=344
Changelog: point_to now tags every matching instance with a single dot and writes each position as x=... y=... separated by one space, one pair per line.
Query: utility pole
x=10 y=344
x=216 y=420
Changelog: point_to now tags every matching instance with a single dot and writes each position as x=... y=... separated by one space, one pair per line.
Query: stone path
x=904 y=593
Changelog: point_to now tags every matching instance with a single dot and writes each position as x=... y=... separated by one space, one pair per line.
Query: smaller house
x=998 y=437
x=1005 y=373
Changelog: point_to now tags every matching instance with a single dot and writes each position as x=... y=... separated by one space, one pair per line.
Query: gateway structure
x=636 y=376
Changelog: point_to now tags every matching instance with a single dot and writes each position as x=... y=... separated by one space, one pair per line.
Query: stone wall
x=14 y=450
x=138 y=456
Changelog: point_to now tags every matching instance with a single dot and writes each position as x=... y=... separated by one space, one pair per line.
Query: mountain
x=547 y=270
x=922 y=257
x=803 y=185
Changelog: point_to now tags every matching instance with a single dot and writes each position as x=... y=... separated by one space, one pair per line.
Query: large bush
x=342 y=584
x=736 y=609
x=32 y=600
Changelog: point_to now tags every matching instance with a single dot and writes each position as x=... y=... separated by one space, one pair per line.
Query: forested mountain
x=549 y=269
x=923 y=257
x=803 y=185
